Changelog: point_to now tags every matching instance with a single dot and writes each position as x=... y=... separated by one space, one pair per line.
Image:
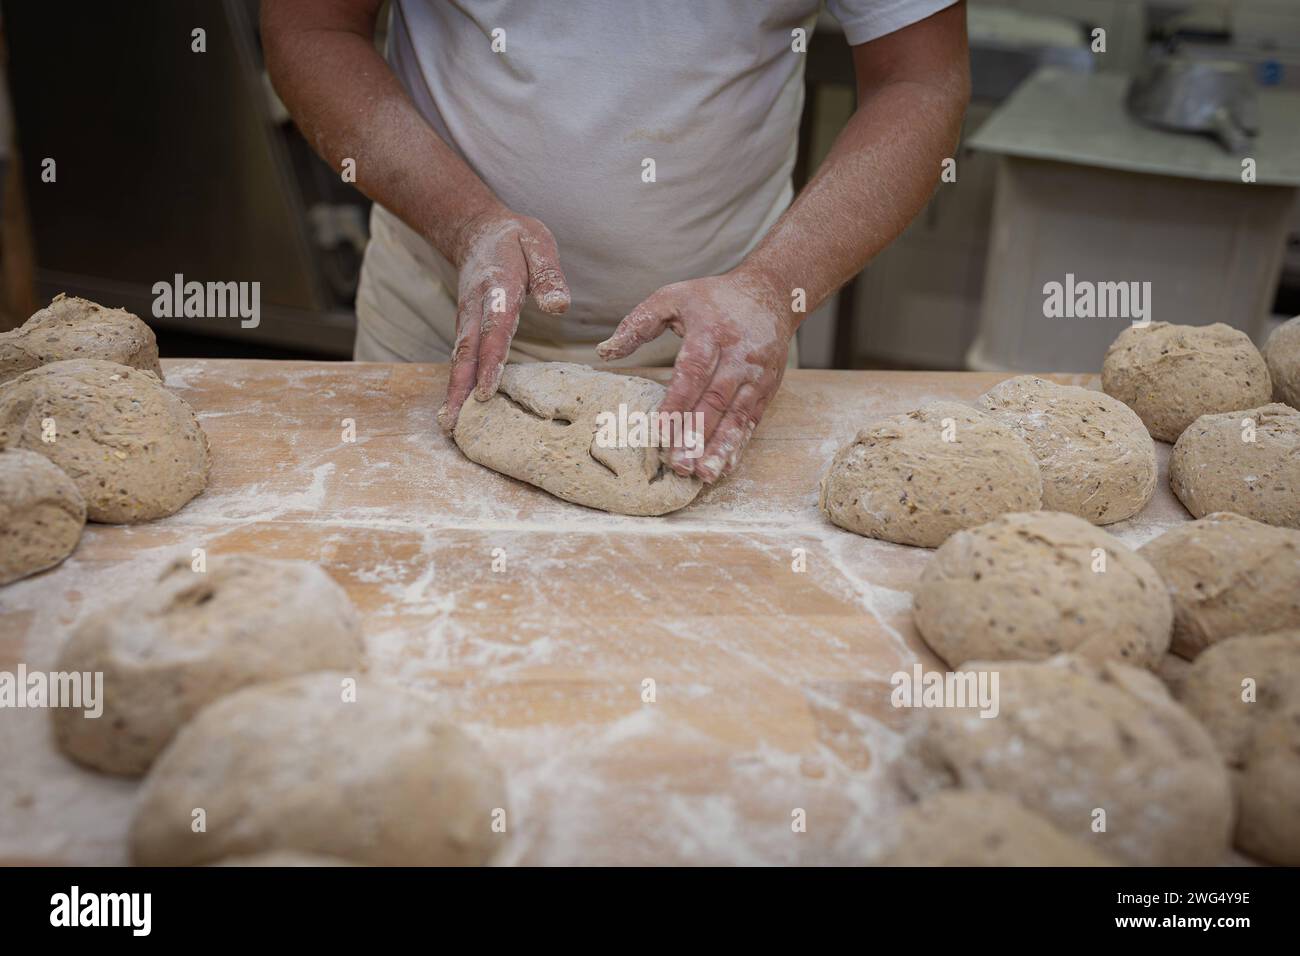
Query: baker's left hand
x=736 y=330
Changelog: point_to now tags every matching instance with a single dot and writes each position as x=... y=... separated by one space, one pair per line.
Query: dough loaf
x=41 y=514
x=1282 y=355
x=72 y=328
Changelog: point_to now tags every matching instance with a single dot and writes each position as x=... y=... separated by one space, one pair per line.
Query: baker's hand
x=736 y=331
x=502 y=257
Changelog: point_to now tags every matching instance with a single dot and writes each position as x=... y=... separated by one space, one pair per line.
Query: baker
x=648 y=146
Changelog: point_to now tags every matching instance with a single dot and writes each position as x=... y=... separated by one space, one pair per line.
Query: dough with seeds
x=544 y=427
x=316 y=765
x=1171 y=375
x=134 y=450
x=1073 y=737
x=1227 y=575
x=72 y=328
x=41 y=514
x=1246 y=461
x=1246 y=692
x=192 y=637
x=1282 y=355
x=979 y=828
x=1095 y=455
x=903 y=480
x=1030 y=586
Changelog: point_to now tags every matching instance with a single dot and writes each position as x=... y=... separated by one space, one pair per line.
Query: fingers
x=692 y=371
x=643 y=324
x=546 y=283
x=464 y=360
x=500 y=320
x=729 y=439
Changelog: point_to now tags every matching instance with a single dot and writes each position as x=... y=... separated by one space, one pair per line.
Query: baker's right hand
x=502 y=257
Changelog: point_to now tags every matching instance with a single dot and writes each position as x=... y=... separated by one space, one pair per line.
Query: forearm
x=349 y=105
x=879 y=174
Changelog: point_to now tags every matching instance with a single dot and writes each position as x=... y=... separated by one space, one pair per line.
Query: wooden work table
x=771 y=686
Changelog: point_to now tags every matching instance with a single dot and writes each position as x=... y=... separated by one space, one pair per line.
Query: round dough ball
x=135 y=451
x=978 y=828
x=294 y=766
x=282 y=858
x=1259 y=738
x=1227 y=575
x=1072 y=737
x=41 y=514
x=1214 y=467
x=1282 y=355
x=1171 y=375
x=901 y=481
x=191 y=637
x=1031 y=586
x=72 y=328
x=1095 y=455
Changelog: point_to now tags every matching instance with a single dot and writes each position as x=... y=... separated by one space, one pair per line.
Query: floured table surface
x=771 y=689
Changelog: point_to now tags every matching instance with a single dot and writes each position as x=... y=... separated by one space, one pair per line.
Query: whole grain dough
x=1030 y=586
x=1282 y=355
x=542 y=427
x=1258 y=733
x=979 y=828
x=302 y=765
x=1246 y=461
x=1173 y=374
x=135 y=451
x=1096 y=457
x=282 y=858
x=902 y=481
x=1227 y=575
x=41 y=514
x=72 y=328
x=1073 y=737
x=192 y=637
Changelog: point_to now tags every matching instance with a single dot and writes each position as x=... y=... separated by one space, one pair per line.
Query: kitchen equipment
x=1211 y=97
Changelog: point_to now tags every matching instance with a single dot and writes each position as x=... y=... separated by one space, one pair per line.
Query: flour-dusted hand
x=501 y=257
x=736 y=331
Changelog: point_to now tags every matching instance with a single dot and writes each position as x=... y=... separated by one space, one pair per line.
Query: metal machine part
x=1208 y=97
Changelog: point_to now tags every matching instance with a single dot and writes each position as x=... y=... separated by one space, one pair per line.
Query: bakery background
x=207 y=177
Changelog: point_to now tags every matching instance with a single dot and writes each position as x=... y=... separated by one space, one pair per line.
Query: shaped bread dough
x=1245 y=461
x=294 y=765
x=135 y=451
x=1282 y=355
x=1096 y=457
x=1028 y=587
x=72 y=328
x=41 y=514
x=1227 y=575
x=1171 y=375
x=541 y=427
x=1071 y=737
x=902 y=481
x=978 y=828
x=1258 y=734
x=192 y=637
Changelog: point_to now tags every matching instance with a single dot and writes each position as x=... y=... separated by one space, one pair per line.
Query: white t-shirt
x=561 y=123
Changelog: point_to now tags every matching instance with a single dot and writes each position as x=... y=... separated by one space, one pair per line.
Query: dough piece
x=282 y=858
x=1259 y=738
x=1026 y=587
x=1282 y=354
x=900 y=481
x=1096 y=457
x=1171 y=375
x=192 y=637
x=978 y=828
x=41 y=514
x=1214 y=468
x=1227 y=575
x=294 y=766
x=135 y=451
x=72 y=328
x=1072 y=737
x=541 y=428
